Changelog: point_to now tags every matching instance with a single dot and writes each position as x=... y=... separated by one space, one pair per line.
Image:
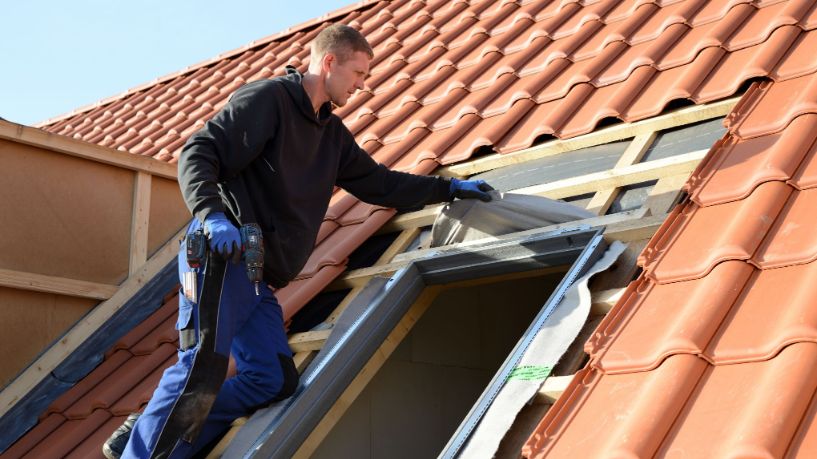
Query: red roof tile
x=722 y=315
x=451 y=77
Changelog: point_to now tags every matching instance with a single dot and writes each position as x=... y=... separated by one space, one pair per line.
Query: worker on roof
x=272 y=157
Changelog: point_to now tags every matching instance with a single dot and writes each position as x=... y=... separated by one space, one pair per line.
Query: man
x=272 y=157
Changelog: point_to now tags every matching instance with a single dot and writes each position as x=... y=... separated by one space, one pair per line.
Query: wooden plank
x=632 y=154
x=52 y=357
x=628 y=175
x=218 y=450
x=399 y=245
x=367 y=372
x=308 y=341
x=415 y=219
x=664 y=195
x=359 y=277
x=55 y=142
x=575 y=186
x=303 y=359
x=603 y=301
x=552 y=389
x=634 y=230
x=58 y=285
x=611 y=134
x=139 y=222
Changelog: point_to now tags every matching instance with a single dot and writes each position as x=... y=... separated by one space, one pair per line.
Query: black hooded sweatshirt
x=266 y=157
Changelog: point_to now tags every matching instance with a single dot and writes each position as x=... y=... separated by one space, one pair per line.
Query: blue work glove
x=465 y=189
x=225 y=239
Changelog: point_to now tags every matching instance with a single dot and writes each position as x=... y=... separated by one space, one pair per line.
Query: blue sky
x=58 y=56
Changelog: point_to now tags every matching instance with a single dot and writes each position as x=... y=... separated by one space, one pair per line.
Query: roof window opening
x=425 y=389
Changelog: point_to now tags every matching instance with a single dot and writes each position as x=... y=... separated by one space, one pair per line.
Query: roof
x=451 y=79
x=711 y=352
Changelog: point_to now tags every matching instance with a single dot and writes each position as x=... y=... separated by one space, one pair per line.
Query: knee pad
x=291 y=378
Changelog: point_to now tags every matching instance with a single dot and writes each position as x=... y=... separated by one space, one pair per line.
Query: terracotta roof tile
x=142 y=380
x=37 y=435
x=147 y=326
x=806 y=175
x=791 y=241
x=71 y=433
x=90 y=382
x=726 y=417
x=90 y=447
x=449 y=78
x=107 y=395
x=757 y=327
x=738 y=167
x=625 y=415
x=774 y=106
x=727 y=288
x=666 y=319
x=691 y=250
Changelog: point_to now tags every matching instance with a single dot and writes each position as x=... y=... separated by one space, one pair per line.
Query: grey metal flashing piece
x=279 y=430
x=88 y=355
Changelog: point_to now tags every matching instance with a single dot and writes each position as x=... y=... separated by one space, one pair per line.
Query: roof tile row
x=711 y=352
x=451 y=77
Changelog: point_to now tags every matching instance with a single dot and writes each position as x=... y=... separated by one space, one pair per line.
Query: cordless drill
x=252 y=243
x=196 y=252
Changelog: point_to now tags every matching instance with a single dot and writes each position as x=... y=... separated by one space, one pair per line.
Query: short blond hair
x=340 y=40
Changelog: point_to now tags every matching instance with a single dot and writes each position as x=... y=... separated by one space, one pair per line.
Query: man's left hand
x=470 y=189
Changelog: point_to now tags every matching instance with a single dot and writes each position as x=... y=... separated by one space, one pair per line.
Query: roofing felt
x=719 y=320
x=451 y=77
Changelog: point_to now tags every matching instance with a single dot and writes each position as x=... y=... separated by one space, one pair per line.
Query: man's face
x=344 y=78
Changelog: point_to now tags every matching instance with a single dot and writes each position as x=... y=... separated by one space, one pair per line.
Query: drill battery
x=252 y=244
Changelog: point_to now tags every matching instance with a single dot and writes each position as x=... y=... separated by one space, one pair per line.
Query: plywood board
x=30 y=322
x=74 y=215
x=168 y=213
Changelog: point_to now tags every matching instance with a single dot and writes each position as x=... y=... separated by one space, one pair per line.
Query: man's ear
x=328 y=61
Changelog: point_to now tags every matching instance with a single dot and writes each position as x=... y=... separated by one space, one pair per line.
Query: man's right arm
x=227 y=143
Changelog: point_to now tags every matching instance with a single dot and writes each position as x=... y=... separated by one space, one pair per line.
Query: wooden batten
x=59 y=285
x=611 y=134
x=139 y=222
x=58 y=143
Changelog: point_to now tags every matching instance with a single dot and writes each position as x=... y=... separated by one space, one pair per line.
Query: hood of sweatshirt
x=293 y=82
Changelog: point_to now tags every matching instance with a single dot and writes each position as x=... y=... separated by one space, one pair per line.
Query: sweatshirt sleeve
x=374 y=183
x=227 y=143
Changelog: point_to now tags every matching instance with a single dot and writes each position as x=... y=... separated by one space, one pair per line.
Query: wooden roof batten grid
x=634 y=227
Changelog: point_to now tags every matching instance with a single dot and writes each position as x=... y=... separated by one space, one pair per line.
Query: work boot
x=115 y=446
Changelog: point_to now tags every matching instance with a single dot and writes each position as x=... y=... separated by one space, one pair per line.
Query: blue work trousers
x=173 y=424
